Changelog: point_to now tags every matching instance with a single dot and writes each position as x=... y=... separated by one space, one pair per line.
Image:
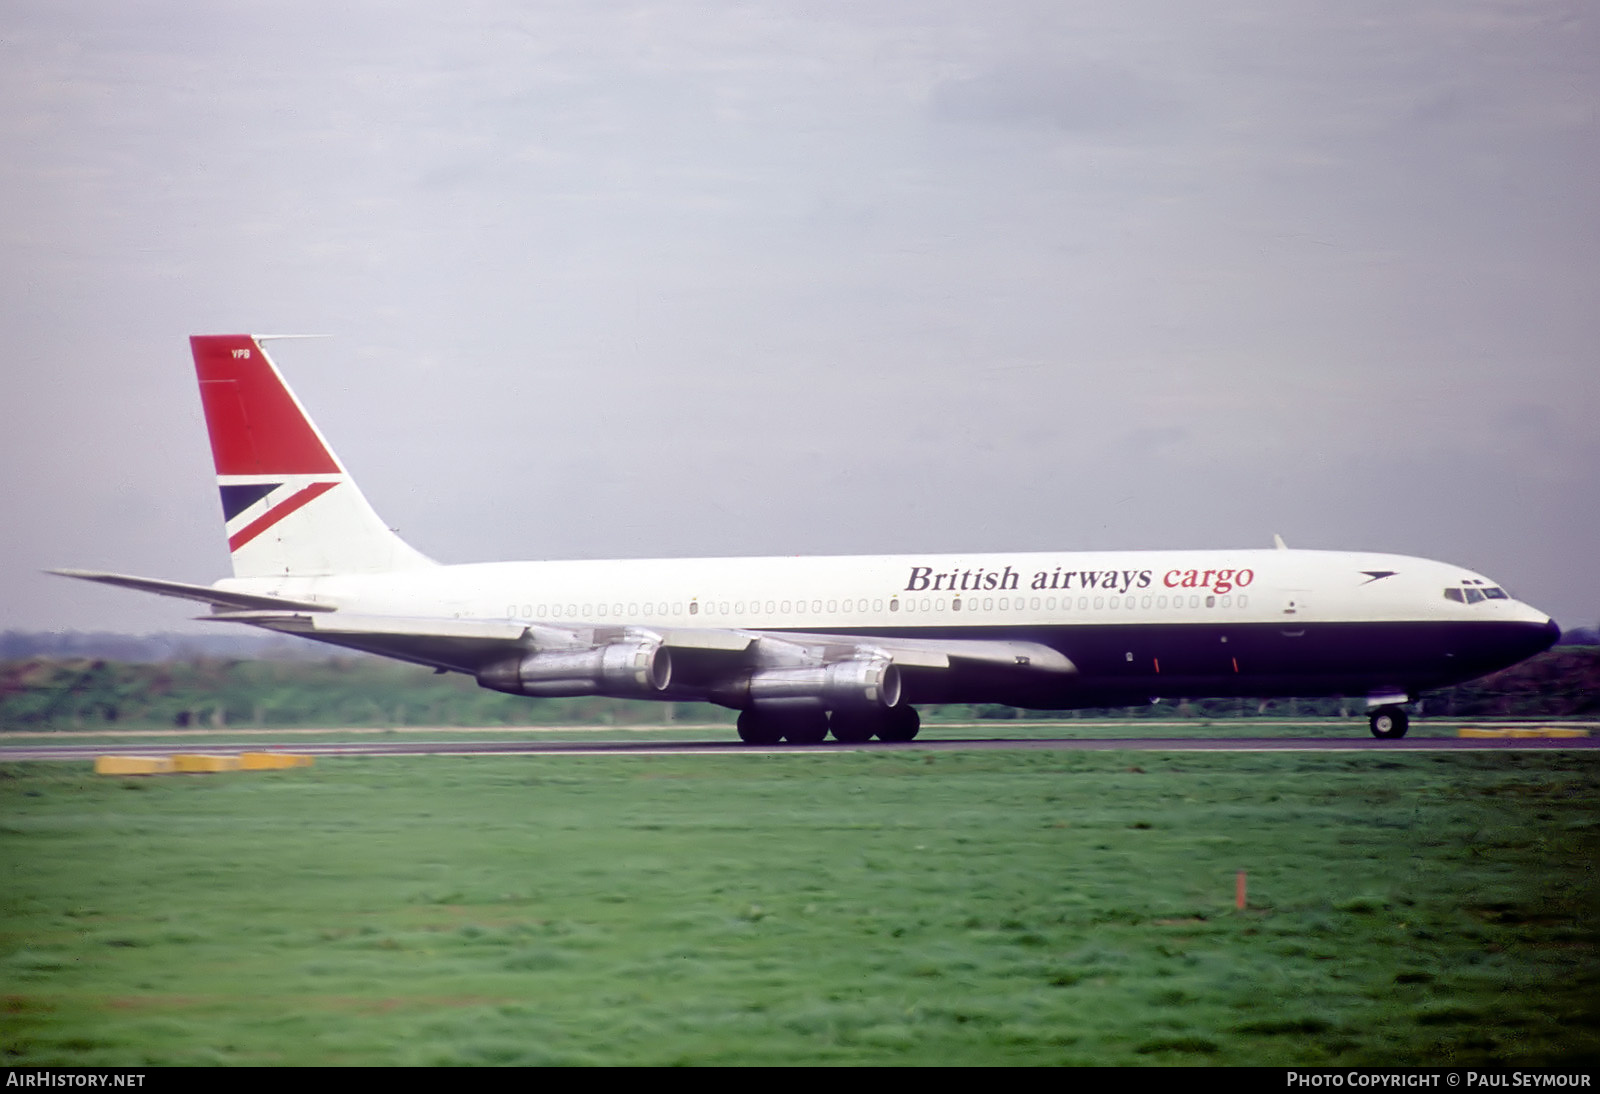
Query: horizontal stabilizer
x=204 y=593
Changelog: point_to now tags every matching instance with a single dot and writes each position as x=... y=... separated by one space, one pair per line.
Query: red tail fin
x=289 y=505
x=257 y=426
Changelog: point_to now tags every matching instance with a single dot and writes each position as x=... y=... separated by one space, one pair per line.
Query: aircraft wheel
x=756 y=728
x=806 y=729
x=852 y=726
x=899 y=724
x=1389 y=723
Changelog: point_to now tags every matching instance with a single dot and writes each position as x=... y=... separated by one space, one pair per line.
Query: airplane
x=805 y=647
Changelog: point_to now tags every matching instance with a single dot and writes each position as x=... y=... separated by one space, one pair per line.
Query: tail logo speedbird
x=808 y=647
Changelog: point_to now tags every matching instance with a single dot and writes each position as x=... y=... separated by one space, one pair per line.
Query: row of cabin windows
x=1048 y=603
x=911 y=605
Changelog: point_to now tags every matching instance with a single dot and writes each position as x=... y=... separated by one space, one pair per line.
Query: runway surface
x=489 y=747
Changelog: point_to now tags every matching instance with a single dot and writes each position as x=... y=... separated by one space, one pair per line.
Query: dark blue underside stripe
x=1199 y=659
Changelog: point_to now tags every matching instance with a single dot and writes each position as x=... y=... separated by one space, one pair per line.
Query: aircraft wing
x=456 y=645
x=703 y=659
x=705 y=662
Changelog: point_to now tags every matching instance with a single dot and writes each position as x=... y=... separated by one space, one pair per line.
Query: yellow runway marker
x=132 y=765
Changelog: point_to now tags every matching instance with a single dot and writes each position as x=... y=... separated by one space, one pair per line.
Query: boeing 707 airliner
x=805 y=647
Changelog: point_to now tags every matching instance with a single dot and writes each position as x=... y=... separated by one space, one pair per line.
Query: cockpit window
x=1474 y=594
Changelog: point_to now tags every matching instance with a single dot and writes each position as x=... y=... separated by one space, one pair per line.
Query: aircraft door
x=1296 y=612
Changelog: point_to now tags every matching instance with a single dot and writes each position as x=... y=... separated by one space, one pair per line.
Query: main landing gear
x=1389 y=723
x=809 y=727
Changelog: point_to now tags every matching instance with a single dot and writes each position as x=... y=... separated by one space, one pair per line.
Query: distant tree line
x=233 y=641
x=50 y=693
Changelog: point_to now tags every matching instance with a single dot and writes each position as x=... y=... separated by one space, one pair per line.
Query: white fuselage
x=864 y=593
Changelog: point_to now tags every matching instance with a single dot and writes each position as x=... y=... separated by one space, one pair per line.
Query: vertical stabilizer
x=291 y=508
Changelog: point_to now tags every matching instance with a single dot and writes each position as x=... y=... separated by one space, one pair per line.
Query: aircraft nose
x=1533 y=638
x=1508 y=643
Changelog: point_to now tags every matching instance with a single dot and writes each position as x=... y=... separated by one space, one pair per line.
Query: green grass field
x=841 y=908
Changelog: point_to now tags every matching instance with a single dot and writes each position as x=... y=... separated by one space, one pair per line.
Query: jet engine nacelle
x=856 y=684
x=620 y=670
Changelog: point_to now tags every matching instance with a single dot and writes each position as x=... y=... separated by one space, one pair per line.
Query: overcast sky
x=633 y=279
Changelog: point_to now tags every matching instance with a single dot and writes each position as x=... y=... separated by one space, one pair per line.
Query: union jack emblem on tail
x=277 y=475
x=247 y=520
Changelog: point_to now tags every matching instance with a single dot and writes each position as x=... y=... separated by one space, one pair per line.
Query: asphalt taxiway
x=490 y=747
